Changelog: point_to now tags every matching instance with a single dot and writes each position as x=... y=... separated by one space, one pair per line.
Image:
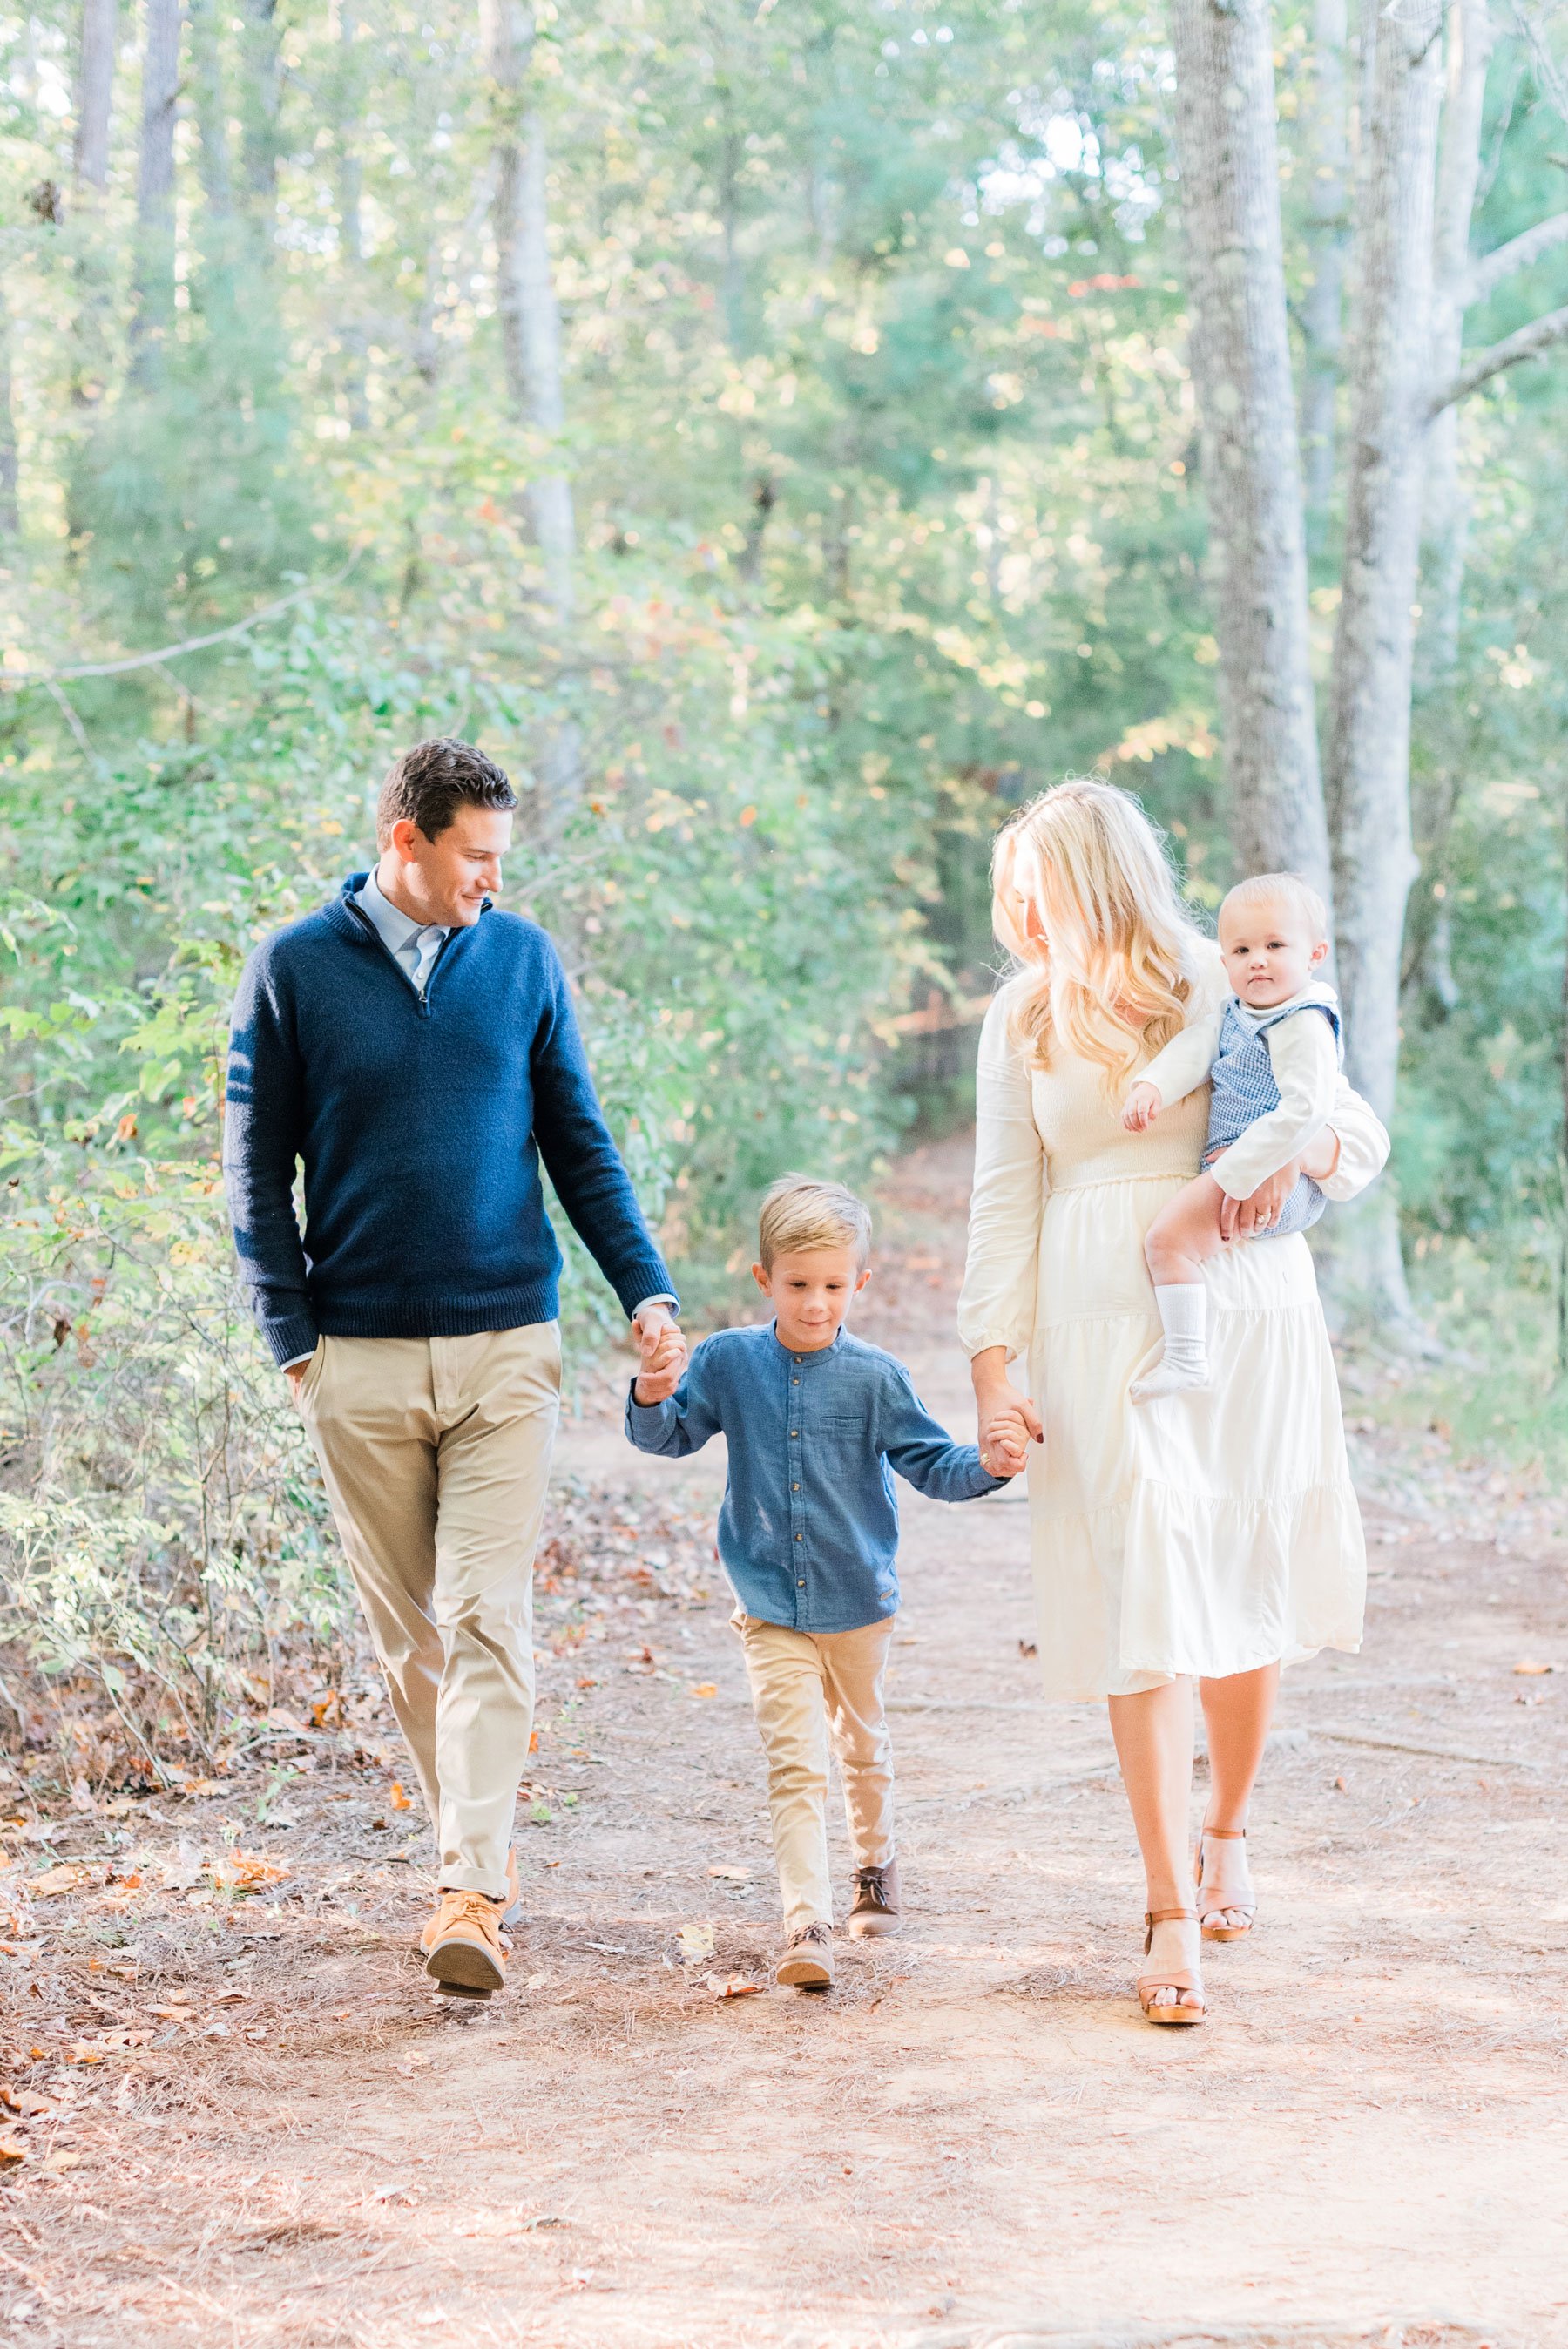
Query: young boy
x=1270 y=1053
x=815 y=1423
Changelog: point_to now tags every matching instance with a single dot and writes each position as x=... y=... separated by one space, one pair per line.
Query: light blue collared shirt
x=413 y=946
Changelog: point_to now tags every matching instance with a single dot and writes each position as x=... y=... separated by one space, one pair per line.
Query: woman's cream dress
x=1213 y=1531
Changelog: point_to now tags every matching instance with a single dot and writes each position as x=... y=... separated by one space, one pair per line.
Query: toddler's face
x=811 y=1291
x=1269 y=952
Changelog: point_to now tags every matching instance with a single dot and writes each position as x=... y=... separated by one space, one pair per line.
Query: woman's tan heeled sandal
x=1183 y=1980
x=1245 y=1910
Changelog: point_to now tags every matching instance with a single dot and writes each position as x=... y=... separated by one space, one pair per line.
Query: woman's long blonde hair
x=1114 y=968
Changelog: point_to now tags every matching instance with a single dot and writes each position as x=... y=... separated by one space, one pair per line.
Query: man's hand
x=662 y=1348
x=1244 y=1219
x=1142 y=1106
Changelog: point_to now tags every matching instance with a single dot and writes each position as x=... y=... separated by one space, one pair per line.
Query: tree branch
x=1529 y=343
x=15 y=680
x=1489 y=273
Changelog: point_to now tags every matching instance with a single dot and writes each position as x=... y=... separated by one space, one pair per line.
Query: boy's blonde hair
x=1113 y=969
x=799 y=1212
x=1277 y=889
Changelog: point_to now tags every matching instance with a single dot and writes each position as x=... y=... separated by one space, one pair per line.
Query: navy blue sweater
x=420 y=1123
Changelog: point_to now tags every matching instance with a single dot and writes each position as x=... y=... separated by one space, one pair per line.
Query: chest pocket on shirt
x=843 y=1439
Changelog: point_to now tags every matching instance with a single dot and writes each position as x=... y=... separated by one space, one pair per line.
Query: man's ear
x=763 y=1279
x=402 y=836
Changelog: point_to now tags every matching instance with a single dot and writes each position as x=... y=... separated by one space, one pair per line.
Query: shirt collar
x=816 y=1352
x=395 y=930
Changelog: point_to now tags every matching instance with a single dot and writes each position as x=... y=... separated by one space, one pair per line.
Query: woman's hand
x=1009 y=1423
x=1244 y=1219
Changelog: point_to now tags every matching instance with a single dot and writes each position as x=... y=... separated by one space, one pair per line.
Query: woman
x=1213 y=1535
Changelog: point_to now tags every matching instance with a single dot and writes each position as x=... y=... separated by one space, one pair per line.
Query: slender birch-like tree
x=1246 y=397
x=154 y=303
x=95 y=92
x=1322 y=309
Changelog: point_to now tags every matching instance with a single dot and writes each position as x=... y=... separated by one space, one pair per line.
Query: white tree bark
x=1445 y=522
x=1328 y=159
x=154 y=306
x=1369 y=738
x=211 y=114
x=95 y=92
x=1242 y=367
x=525 y=292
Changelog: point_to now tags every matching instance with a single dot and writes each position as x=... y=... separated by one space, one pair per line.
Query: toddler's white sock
x=1184 y=1307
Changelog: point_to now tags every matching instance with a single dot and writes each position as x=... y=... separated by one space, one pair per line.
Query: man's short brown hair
x=430 y=783
x=799 y=1213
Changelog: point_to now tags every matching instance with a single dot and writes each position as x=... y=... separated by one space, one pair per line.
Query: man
x=416 y=1051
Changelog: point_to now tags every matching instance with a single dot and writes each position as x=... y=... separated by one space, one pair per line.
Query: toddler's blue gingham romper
x=1243 y=1079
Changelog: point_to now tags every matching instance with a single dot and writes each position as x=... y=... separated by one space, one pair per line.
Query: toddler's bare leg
x=1183 y=1237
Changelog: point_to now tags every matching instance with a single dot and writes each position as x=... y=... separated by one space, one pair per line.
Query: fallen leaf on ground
x=12 y=2149
x=243 y=1871
x=534 y=1740
x=230 y=1998
x=730 y=1875
x=255 y=2030
x=706 y=1688
x=398 y=1799
x=737 y=1986
x=64 y=2161
x=66 y=1878
x=85 y=2051
x=696 y=1941
x=1530 y=1670
x=216 y=2031
x=172 y=2013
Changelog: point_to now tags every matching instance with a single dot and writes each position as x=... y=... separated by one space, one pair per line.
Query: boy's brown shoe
x=877 y=1907
x=509 y=1914
x=467 y=1954
x=808 y=1959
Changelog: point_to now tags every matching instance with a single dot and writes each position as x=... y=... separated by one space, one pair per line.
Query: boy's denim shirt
x=809 y=1530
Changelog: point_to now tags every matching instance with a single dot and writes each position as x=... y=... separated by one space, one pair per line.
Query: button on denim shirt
x=809 y=1530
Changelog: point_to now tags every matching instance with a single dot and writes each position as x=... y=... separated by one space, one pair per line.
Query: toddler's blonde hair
x=1280 y=889
x=1114 y=968
x=799 y=1212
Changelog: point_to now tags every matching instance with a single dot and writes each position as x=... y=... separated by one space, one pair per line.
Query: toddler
x=815 y=1423
x=1270 y=1053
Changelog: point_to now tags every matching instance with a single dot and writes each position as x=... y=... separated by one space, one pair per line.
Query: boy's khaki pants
x=811 y=1689
x=436 y=1455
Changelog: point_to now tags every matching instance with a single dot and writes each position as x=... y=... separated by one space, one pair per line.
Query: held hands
x=1009 y=1424
x=662 y=1350
x=1142 y=1107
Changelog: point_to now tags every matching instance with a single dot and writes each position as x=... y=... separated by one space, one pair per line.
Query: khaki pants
x=436 y=1454
x=811 y=1689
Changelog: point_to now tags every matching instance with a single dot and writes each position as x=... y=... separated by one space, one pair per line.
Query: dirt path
x=976 y=2142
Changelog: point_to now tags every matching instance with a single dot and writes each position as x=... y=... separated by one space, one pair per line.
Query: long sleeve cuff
x=649 y=1425
x=290 y=1336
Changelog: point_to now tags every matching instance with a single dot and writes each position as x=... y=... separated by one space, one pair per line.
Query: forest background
x=780 y=434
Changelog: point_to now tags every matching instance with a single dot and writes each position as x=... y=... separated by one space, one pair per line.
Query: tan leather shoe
x=468 y=1953
x=808 y=1959
x=508 y=1914
x=877 y=1907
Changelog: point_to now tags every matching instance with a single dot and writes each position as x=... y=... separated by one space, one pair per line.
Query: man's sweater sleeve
x=922 y=1451
x=684 y=1421
x=580 y=1152
x=261 y=1146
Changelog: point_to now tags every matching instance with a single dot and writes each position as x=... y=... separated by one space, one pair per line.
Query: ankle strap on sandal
x=1223 y=1835
x=1152 y=1917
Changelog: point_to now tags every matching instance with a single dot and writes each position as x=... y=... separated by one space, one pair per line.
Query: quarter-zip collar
x=352 y=921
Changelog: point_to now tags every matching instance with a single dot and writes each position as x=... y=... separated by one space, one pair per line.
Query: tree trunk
x=525 y=292
x=1446 y=517
x=211 y=116
x=1328 y=154
x=1241 y=365
x=95 y=92
x=1369 y=740
x=154 y=300
x=352 y=335
x=10 y=516
x=531 y=344
x=260 y=98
